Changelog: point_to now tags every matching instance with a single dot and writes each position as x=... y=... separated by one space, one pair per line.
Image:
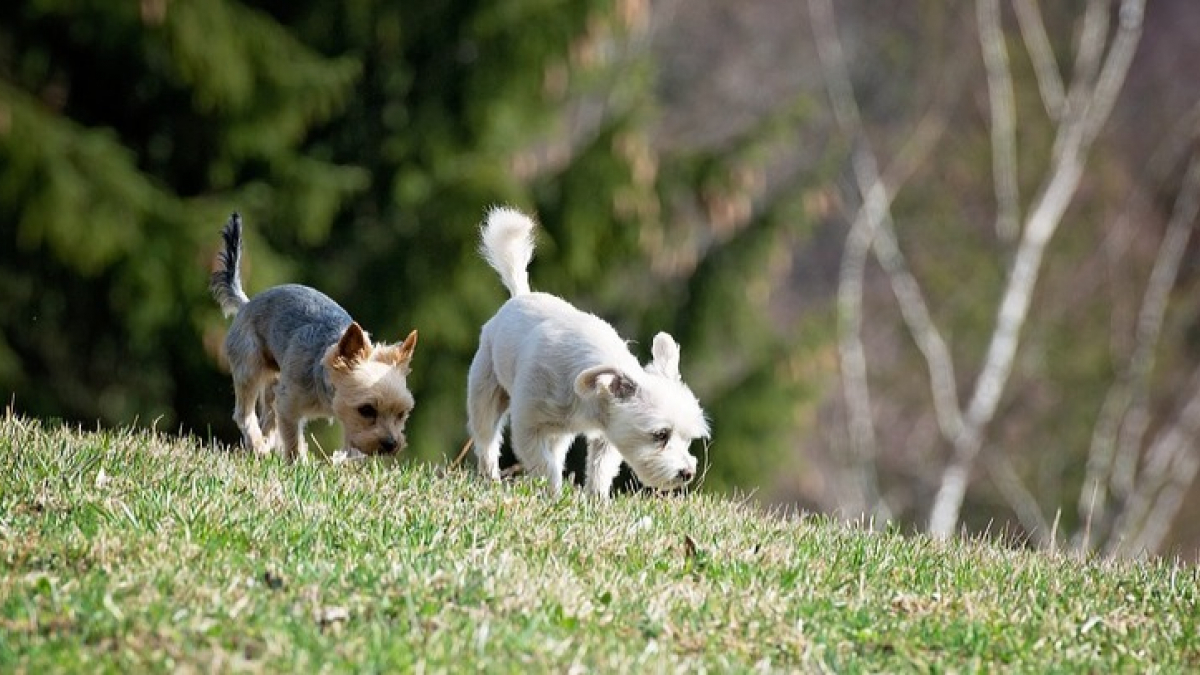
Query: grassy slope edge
x=130 y=550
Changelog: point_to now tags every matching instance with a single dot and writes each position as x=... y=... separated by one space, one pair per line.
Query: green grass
x=132 y=551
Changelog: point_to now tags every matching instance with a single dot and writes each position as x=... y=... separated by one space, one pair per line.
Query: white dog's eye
x=661 y=436
x=367 y=411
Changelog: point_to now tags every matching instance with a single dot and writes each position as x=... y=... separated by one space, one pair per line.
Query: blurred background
x=930 y=263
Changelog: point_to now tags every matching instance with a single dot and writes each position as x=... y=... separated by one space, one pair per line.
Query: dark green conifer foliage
x=363 y=141
x=128 y=131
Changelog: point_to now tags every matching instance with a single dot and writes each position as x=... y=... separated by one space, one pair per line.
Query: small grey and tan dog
x=558 y=372
x=295 y=354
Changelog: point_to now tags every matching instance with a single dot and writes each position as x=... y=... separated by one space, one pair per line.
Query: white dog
x=559 y=372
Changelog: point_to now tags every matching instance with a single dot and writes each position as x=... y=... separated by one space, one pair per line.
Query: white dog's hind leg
x=486 y=404
x=487 y=448
x=603 y=463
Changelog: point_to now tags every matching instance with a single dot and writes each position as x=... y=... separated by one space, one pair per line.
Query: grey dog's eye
x=661 y=436
x=367 y=411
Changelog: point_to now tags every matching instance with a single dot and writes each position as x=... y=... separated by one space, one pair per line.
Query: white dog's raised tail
x=553 y=372
x=507 y=245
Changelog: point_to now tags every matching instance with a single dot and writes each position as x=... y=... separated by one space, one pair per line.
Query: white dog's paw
x=346 y=456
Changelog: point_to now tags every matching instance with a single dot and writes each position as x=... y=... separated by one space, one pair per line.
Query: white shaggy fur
x=558 y=372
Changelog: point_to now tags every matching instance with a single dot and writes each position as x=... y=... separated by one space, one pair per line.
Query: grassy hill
x=132 y=551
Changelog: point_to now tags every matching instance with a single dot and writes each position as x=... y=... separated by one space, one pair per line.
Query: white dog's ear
x=666 y=355
x=605 y=380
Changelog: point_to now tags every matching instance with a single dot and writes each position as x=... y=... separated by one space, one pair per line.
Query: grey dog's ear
x=666 y=356
x=400 y=355
x=352 y=349
x=605 y=380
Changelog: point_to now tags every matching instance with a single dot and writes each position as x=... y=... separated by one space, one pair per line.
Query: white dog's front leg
x=543 y=454
x=603 y=463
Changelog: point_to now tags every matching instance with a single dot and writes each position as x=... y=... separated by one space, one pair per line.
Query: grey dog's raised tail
x=226 y=282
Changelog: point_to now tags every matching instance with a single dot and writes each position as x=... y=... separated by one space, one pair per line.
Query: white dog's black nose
x=388 y=445
x=686 y=475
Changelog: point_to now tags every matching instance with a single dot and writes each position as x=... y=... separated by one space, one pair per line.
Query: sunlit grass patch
x=130 y=550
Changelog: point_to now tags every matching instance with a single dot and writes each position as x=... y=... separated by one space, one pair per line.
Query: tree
x=362 y=141
x=559 y=121
x=1032 y=412
x=129 y=132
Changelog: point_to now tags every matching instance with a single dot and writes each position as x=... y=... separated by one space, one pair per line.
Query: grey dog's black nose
x=686 y=475
x=388 y=445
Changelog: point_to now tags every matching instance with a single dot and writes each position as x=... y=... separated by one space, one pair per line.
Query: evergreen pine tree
x=128 y=131
x=363 y=141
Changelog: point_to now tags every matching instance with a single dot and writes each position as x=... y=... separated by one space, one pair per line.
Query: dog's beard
x=662 y=468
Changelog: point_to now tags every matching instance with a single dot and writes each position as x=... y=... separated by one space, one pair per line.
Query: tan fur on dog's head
x=371 y=397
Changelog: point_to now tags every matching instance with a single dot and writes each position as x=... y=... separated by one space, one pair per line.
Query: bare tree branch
x=1157 y=524
x=1045 y=68
x=852 y=357
x=1076 y=133
x=1126 y=406
x=887 y=251
x=1171 y=465
x=1097 y=79
x=1003 y=111
x=913 y=308
x=1019 y=498
x=1129 y=442
x=1169 y=461
x=833 y=64
x=1116 y=67
x=873 y=229
x=1093 y=36
x=873 y=217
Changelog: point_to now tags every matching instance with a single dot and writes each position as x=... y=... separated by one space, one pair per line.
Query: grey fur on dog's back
x=287 y=327
x=295 y=354
x=295 y=324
